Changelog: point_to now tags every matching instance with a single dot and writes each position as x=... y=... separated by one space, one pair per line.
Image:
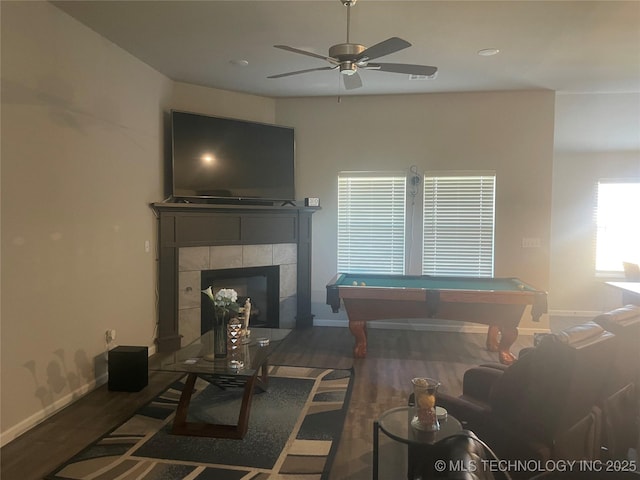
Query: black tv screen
x=216 y=157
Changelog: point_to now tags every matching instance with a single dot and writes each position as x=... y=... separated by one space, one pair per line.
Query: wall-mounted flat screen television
x=223 y=158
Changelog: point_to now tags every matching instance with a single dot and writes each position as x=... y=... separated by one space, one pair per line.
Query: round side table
x=396 y=424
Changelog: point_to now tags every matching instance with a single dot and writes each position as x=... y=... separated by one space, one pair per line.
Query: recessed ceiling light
x=488 y=52
x=239 y=63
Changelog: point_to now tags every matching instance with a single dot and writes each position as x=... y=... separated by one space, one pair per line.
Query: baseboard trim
x=28 y=423
x=574 y=313
x=39 y=417
x=420 y=326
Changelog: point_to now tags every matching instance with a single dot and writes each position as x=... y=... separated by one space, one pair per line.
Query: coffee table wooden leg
x=245 y=408
x=263 y=380
x=180 y=419
x=182 y=427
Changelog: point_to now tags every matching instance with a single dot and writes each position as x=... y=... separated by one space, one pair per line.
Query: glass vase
x=220 y=334
x=425 y=417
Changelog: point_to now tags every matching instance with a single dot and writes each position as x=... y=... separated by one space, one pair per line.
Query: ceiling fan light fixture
x=349 y=57
x=348 y=68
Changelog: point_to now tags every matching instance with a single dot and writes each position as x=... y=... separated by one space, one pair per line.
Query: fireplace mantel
x=193 y=225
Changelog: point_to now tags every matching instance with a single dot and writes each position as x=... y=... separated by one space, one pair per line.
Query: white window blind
x=458 y=224
x=617 y=226
x=371 y=222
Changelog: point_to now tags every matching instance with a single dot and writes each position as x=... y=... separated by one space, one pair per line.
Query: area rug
x=293 y=432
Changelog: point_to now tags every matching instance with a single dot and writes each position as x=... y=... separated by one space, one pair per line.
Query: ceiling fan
x=349 y=57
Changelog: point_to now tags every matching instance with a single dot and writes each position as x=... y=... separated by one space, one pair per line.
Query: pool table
x=496 y=302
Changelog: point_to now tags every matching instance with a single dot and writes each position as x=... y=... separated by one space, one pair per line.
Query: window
x=617 y=226
x=458 y=224
x=371 y=222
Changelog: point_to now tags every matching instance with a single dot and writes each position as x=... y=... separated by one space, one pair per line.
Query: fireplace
x=195 y=238
x=260 y=284
x=265 y=273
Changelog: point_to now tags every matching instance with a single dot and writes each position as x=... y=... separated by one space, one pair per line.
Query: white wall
x=82 y=158
x=209 y=101
x=509 y=132
x=596 y=136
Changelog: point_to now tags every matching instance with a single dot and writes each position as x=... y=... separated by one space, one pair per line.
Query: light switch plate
x=530 y=242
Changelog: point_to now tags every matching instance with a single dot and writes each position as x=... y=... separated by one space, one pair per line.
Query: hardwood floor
x=382 y=381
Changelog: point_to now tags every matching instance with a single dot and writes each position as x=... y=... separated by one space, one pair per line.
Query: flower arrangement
x=224 y=302
x=224 y=307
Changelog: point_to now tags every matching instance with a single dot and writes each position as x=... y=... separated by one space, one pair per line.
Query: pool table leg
x=359 y=331
x=492 y=338
x=508 y=336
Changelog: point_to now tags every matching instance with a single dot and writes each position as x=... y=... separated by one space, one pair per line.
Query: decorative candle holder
x=425 y=418
x=234 y=334
x=246 y=316
x=239 y=357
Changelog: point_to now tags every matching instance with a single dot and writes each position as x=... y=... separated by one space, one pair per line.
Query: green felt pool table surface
x=432 y=282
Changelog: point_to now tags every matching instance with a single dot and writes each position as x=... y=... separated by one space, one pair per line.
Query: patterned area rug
x=293 y=433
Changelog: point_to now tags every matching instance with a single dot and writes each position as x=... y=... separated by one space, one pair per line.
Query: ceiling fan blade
x=352 y=81
x=386 y=47
x=288 y=74
x=403 y=68
x=309 y=54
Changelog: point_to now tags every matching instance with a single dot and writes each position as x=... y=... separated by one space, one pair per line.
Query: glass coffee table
x=248 y=365
x=396 y=424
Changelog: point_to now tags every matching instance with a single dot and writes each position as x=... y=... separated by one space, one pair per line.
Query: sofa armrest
x=620 y=318
x=584 y=335
x=494 y=365
x=466 y=410
x=478 y=382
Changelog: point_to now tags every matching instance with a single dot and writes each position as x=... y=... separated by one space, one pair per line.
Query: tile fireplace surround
x=192 y=261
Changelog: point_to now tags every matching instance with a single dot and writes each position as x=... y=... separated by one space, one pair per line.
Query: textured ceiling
x=580 y=46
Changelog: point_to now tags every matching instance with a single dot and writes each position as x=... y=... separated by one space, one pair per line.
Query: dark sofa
x=541 y=406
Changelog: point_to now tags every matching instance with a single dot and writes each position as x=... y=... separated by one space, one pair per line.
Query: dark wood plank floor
x=382 y=381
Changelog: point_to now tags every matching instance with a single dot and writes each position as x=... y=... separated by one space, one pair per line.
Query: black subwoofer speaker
x=128 y=368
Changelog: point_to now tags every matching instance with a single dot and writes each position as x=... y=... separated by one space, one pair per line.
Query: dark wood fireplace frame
x=194 y=225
